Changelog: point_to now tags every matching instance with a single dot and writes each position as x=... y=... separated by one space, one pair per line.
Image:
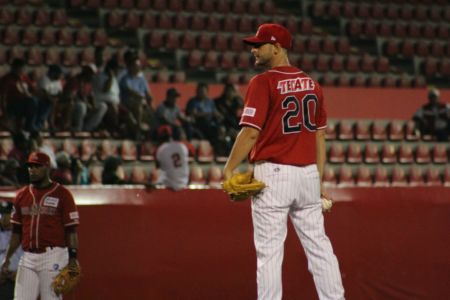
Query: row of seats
x=370 y=79
x=53 y=36
x=409 y=48
x=200 y=22
x=208 y=6
x=348 y=63
x=371 y=153
x=371 y=28
x=26 y=16
x=419 y=10
x=382 y=177
x=363 y=130
x=435 y=67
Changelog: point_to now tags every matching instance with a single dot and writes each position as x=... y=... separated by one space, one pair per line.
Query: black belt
x=38 y=250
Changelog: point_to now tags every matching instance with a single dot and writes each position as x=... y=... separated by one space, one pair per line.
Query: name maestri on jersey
x=295 y=85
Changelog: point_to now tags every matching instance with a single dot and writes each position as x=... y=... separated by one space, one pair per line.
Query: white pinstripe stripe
x=293 y=191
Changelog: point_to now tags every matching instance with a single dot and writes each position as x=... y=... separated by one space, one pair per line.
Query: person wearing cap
x=283 y=134
x=44 y=222
x=172 y=160
x=168 y=113
x=7 y=281
x=433 y=118
x=81 y=111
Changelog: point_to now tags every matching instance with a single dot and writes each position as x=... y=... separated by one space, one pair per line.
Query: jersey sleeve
x=69 y=210
x=16 y=214
x=257 y=101
x=321 y=118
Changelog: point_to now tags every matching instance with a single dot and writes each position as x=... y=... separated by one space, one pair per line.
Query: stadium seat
x=343 y=80
x=196 y=175
x=211 y=60
x=388 y=154
x=369 y=29
x=381 y=177
x=205 y=41
x=110 y=4
x=181 y=21
x=30 y=37
x=192 y=5
x=354 y=28
x=227 y=60
x=440 y=154
x=329 y=177
x=114 y=19
x=88 y=150
x=245 y=24
x=87 y=56
x=362 y=131
x=93 y=4
x=346 y=177
x=132 y=20
x=330 y=131
x=336 y=153
x=95 y=174
x=446 y=177
x=11 y=36
x=405 y=154
x=65 y=37
x=415 y=177
x=352 y=63
x=292 y=24
x=24 y=17
x=306 y=27
x=306 y=63
x=422 y=48
x=70 y=57
x=148 y=20
x=374 y=80
x=363 y=177
x=126 y=4
x=197 y=22
x=367 y=63
x=371 y=155
x=322 y=63
x=399 y=30
x=107 y=148
x=413 y=30
x=423 y=154
x=128 y=151
x=213 y=22
x=433 y=177
x=411 y=133
x=443 y=31
x=4 y=59
x=391 y=48
x=7 y=16
x=172 y=40
x=363 y=11
x=407 y=48
x=337 y=63
x=138 y=175
x=392 y=12
x=395 y=131
x=162 y=76
x=444 y=68
x=34 y=56
x=215 y=177
x=236 y=42
x=230 y=23
x=195 y=59
x=378 y=130
x=59 y=17
x=343 y=45
x=188 y=41
x=406 y=12
x=221 y=42
x=147 y=151
x=160 y=5
x=428 y=31
x=205 y=152
x=345 y=131
x=354 y=153
x=156 y=39
x=437 y=49
x=17 y=52
x=398 y=177
x=175 y=5
x=348 y=9
x=52 y=56
x=384 y=29
x=328 y=45
x=179 y=77
x=165 y=21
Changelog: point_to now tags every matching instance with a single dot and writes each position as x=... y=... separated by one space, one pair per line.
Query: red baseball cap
x=39 y=158
x=271 y=33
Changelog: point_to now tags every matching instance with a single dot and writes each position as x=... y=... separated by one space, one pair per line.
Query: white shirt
x=113 y=95
x=5 y=236
x=173 y=160
x=52 y=87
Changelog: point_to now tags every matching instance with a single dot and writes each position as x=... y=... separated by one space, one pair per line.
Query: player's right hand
x=4 y=270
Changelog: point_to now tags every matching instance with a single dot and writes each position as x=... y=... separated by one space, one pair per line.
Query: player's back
x=172 y=158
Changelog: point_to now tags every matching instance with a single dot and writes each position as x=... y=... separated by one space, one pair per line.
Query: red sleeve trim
x=71 y=224
x=251 y=125
x=15 y=222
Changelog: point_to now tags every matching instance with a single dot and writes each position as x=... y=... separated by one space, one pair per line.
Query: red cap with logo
x=39 y=158
x=271 y=33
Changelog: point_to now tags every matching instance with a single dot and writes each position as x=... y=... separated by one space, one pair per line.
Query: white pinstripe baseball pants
x=36 y=272
x=293 y=191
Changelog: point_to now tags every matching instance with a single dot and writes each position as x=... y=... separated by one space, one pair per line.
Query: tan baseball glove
x=326 y=204
x=67 y=279
x=242 y=186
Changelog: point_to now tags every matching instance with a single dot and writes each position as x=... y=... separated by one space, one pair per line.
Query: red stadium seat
x=188 y=41
x=379 y=131
x=371 y=155
x=407 y=48
x=405 y=154
x=11 y=36
x=423 y=154
x=245 y=24
x=227 y=60
x=139 y=175
x=197 y=22
x=207 y=6
x=313 y=45
x=205 y=152
x=381 y=177
x=30 y=37
x=65 y=37
x=306 y=63
x=175 y=5
x=440 y=154
x=24 y=17
x=343 y=45
x=395 y=130
x=147 y=151
x=363 y=11
x=221 y=42
x=444 y=67
x=6 y=16
x=35 y=56
x=348 y=10
x=406 y=12
x=337 y=63
x=107 y=149
x=270 y=9
x=437 y=49
x=369 y=29
x=352 y=63
x=398 y=177
x=399 y=30
x=323 y=63
x=433 y=177
x=70 y=57
x=435 y=13
x=428 y=31
x=292 y=24
x=367 y=63
x=306 y=26
x=388 y=154
x=230 y=23
x=83 y=37
x=392 y=12
x=196 y=175
x=160 y=4
x=156 y=40
x=336 y=153
x=88 y=150
x=354 y=28
x=132 y=20
x=330 y=131
x=415 y=177
x=17 y=52
x=384 y=29
x=329 y=177
x=215 y=177
x=223 y=6
x=374 y=80
x=211 y=60
x=148 y=20
x=334 y=10
x=391 y=48
x=238 y=7
x=128 y=151
x=318 y=9
x=192 y=5
x=346 y=177
x=181 y=21
x=362 y=131
x=110 y=3
x=422 y=48
x=354 y=153
x=114 y=19
x=213 y=22
x=172 y=40
x=414 y=30
x=162 y=76
x=329 y=45
x=195 y=59
x=443 y=31
x=205 y=41
x=345 y=130
x=52 y=56
x=447 y=177
x=363 y=177
x=165 y=21
x=343 y=80
x=378 y=11
x=59 y=17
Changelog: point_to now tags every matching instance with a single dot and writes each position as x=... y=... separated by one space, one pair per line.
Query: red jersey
x=287 y=107
x=43 y=214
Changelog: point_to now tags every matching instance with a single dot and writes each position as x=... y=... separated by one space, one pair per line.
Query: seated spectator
x=37 y=144
x=7 y=282
x=63 y=172
x=230 y=105
x=204 y=113
x=433 y=118
x=168 y=113
x=18 y=104
x=106 y=90
x=136 y=98
x=20 y=152
x=113 y=172
x=49 y=91
x=172 y=158
x=8 y=175
x=82 y=113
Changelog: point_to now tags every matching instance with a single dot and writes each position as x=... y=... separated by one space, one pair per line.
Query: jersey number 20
x=295 y=108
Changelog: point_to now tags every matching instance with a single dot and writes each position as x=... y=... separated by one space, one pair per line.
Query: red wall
x=355 y=103
x=392 y=243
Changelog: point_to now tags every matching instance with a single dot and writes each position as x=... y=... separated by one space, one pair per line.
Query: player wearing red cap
x=282 y=133
x=44 y=221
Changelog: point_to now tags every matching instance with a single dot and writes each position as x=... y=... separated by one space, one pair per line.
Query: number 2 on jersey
x=291 y=122
x=176 y=160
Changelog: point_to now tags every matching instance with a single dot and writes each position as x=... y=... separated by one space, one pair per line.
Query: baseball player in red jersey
x=44 y=220
x=283 y=134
